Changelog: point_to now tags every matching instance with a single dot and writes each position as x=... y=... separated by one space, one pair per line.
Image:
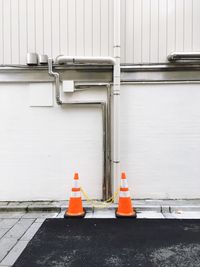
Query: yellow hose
x=100 y=204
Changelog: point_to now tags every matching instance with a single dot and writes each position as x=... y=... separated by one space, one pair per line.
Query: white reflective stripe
x=124 y=183
x=76 y=194
x=76 y=184
x=124 y=194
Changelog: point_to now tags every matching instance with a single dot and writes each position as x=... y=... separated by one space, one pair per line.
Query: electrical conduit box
x=68 y=86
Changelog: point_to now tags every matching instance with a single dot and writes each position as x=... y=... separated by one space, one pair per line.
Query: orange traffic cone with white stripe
x=125 y=208
x=75 y=208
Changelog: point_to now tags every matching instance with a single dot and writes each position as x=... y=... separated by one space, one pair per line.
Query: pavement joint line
x=16 y=239
x=27 y=228
x=9 y=250
x=14 y=254
x=10 y=228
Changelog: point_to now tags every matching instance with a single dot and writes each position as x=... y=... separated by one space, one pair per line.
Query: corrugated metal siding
x=151 y=29
x=70 y=27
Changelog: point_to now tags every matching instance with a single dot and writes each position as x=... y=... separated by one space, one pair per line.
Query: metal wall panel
x=151 y=29
x=70 y=27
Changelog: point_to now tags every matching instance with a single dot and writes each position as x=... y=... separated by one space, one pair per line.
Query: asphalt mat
x=114 y=242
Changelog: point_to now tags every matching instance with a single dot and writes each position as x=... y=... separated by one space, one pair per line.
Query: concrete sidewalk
x=19 y=221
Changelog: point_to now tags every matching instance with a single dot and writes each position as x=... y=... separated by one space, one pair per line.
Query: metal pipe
x=57 y=80
x=84 y=60
x=174 y=56
x=106 y=123
x=124 y=68
x=106 y=111
x=106 y=143
x=159 y=82
x=116 y=99
x=161 y=67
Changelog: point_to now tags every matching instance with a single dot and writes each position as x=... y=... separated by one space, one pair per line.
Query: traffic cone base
x=125 y=209
x=74 y=216
x=133 y=216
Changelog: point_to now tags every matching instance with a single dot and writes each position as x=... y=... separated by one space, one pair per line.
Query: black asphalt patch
x=114 y=242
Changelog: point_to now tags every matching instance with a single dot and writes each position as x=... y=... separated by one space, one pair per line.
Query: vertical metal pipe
x=116 y=99
x=57 y=80
x=108 y=145
x=104 y=126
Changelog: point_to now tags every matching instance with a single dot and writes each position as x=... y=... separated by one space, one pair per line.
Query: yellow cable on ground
x=100 y=204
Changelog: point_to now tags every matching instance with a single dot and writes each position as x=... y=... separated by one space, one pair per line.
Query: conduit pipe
x=116 y=99
x=84 y=60
x=174 y=56
x=57 y=80
x=106 y=123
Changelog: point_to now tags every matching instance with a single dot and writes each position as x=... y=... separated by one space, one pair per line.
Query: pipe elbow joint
x=58 y=101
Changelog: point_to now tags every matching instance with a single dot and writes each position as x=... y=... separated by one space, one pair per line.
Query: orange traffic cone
x=125 y=208
x=75 y=203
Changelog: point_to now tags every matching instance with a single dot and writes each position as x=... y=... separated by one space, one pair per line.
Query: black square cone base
x=134 y=216
x=66 y=216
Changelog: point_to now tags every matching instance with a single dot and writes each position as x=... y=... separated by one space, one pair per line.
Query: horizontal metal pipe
x=84 y=60
x=181 y=66
x=89 y=84
x=174 y=56
x=161 y=67
x=84 y=103
x=159 y=82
